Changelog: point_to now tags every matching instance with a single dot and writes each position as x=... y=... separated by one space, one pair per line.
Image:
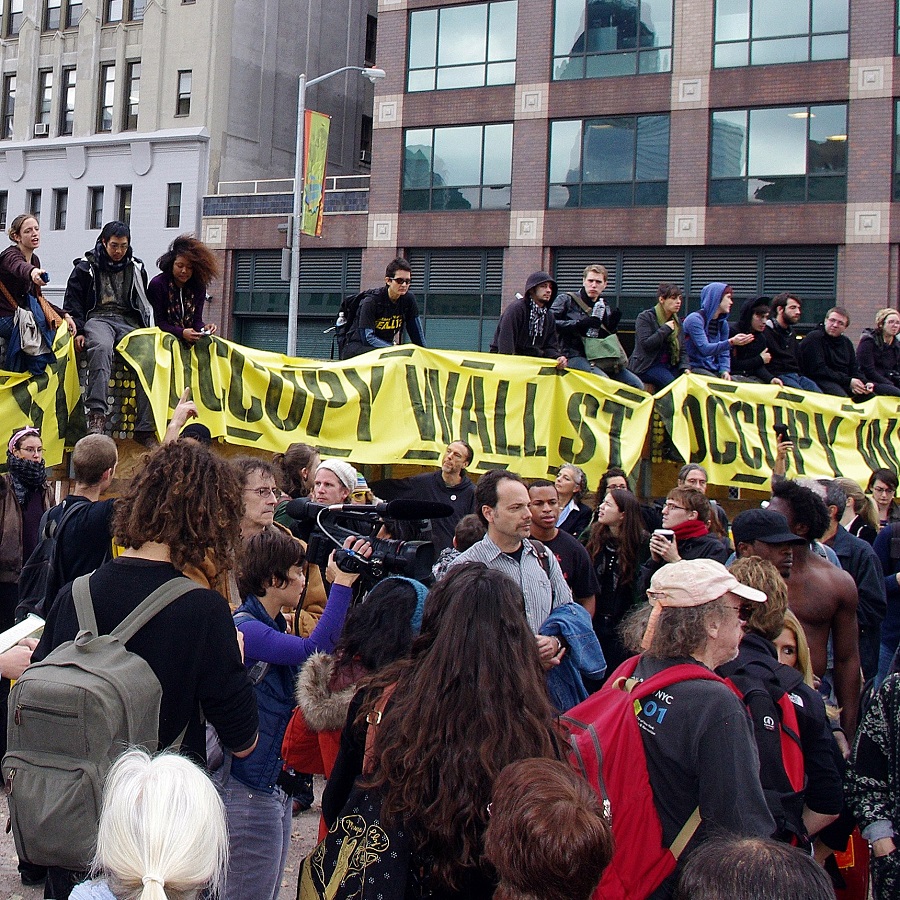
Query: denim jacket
x=572 y=623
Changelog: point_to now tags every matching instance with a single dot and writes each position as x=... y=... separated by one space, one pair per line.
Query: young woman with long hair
x=618 y=546
x=471 y=699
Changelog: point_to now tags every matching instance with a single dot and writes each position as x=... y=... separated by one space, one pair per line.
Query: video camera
x=413 y=559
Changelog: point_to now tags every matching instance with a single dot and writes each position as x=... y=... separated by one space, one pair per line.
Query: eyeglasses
x=31 y=451
x=262 y=492
x=882 y=490
x=670 y=505
x=744 y=611
x=402 y=280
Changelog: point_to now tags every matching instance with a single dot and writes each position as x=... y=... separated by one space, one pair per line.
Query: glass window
x=67 y=101
x=787 y=154
x=60 y=208
x=15 y=18
x=73 y=13
x=107 y=92
x=33 y=199
x=44 y=98
x=173 y=205
x=621 y=161
x=114 y=9
x=602 y=38
x=123 y=203
x=4 y=209
x=467 y=167
x=9 y=104
x=761 y=32
x=371 y=40
x=462 y=46
x=136 y=10
x=183 y=101
x=52 y=10
x=132 y=95
x=95 y=208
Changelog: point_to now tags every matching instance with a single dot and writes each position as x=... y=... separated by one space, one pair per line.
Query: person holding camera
x=878 y=353
x=270 y=578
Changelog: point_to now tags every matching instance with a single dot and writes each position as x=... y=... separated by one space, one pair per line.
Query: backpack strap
x=84 y=604
x=164 y=595
x=542 y=553
x=682 y=839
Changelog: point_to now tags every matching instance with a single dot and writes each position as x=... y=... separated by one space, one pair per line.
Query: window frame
x=9 y=106
x=717 y=185
x=44 y=107
x=485 y=61
x=634 y=181
x=558 y=60
x=173 y=204
x=95 y=210
x=106 y=97
x=124 y=200
x=60 y=208
x=182 y=97
x=131 y=109
x=761 y=42
x=33 y=202
x=49 y=7
x=66 y=118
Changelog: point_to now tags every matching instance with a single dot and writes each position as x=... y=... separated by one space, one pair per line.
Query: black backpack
x=40 y=579
x=343 y=327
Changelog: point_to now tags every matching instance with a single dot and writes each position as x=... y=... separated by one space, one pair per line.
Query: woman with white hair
x=571 y=484
x=162 y=832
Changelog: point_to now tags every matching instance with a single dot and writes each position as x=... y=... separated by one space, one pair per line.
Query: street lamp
x=299 y=180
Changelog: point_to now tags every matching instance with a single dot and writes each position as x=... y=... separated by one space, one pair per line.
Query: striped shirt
x=541 y=594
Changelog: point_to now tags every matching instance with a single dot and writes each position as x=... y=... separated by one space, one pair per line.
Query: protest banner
x=399 y=404
x=44 y=400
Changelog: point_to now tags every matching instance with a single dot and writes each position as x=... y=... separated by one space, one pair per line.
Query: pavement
x=303 y=839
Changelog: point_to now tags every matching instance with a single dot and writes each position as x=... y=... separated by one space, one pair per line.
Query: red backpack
x=608 y=750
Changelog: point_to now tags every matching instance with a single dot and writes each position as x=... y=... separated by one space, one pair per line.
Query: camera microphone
x=304 y=508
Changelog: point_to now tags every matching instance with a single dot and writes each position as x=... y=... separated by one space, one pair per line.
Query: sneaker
x=146 y=439
x=96 y=423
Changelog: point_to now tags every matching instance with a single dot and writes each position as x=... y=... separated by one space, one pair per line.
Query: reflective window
x=67 y=101
x=52 y=9
x=132 y=95
x=788 y=154
x=183 y=99
x=760 y=32
x=469 y=167
x=621 y=161
x=601 y=38
x=462 y=46
x=9 y=105
x=107 y=87
x=95 y=208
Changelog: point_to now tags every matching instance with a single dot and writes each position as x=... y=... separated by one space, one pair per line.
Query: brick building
x=750 y=141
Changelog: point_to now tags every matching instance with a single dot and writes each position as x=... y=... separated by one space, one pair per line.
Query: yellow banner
x=398 y=405
x=316 y=150
x=728 y=428
x=44 y=400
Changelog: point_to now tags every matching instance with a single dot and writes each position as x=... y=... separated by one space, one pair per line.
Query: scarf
x=536 y=317
x=693 y=528
x=674 y=339
x=27 y=475
x=181 y=305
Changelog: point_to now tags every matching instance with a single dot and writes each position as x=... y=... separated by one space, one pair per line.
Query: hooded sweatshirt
x=706 y=337
x=525 y=329
x=747 y=359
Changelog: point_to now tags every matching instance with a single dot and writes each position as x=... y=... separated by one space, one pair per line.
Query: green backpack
x=70 y=716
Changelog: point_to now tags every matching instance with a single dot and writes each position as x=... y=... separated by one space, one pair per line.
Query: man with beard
x=527 y=327
x=781 y=342
x=822 y=597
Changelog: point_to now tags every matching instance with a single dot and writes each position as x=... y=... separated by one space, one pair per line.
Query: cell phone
x=781 y=432
x=45 y=277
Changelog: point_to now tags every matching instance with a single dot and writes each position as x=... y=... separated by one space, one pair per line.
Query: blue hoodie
x=706 y=338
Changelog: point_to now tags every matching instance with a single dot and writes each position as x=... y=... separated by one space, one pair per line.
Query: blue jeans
x=259 y=834
x=660 y=374
x=801 y=382
x=623 y=377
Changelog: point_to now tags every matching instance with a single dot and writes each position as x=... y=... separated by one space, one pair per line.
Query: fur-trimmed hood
x=323 y=709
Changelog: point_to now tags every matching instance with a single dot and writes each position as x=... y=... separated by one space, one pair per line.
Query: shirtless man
x=822 y=597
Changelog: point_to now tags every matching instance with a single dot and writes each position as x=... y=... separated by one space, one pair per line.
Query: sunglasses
x=744 y=611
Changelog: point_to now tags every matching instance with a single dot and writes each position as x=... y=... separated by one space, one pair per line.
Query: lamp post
x=299 y=179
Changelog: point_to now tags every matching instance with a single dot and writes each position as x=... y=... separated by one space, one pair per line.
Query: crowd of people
x=436 y=705
x=537 y=692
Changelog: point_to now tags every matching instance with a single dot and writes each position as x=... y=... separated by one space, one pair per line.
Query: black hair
x=807 y=507
x=379 y=630
x=115 y=229
x=886 y=476
x=267 y=559
x=398 y=264
x=667 y=290
x=541 y=482
x=486 y=489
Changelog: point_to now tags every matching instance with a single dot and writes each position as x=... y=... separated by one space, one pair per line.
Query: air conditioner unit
x=41 y=129
x=365 y=156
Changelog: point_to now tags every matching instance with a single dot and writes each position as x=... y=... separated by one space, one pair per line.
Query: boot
x=96 y=423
